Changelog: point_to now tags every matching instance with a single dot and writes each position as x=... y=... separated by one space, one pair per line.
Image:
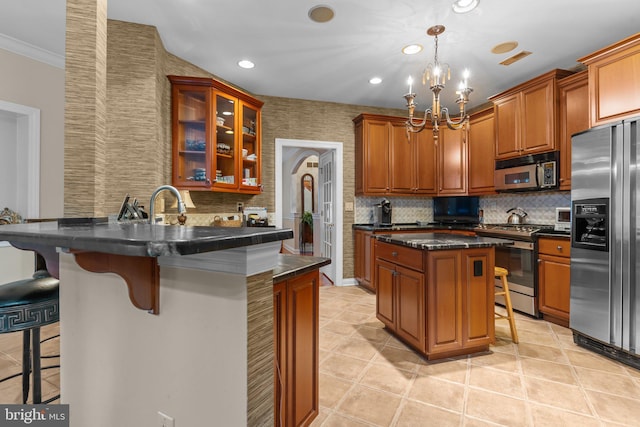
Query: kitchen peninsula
x=436 y=291
x=192 y=333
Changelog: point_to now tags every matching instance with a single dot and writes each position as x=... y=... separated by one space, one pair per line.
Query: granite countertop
x=414 y=226
x=295 y=265
x=441 y=241
x=139 y=239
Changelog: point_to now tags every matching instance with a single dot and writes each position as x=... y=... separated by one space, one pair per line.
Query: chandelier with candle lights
x=436 y=74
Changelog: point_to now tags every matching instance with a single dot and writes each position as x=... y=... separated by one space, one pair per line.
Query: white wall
x=8 y=161
x=35 y=84
x=15 y=264
x=190 y=361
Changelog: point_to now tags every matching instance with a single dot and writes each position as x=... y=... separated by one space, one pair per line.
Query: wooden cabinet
x=400 y=298
x=481 y=149
x=526 y=116
x=362 y=258
x=216 y=137
x=413 y=161
x=554 y=274
x=372 y=154
x=452 y=162
x=389 y=163
x=460 y=300
x=296 y=334
x=574 y=117
x=614 y=81
x=438 y=302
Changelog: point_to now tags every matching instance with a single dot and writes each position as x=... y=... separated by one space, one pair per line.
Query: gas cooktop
x=522 y=231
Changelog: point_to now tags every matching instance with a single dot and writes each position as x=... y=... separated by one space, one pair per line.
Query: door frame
x=28 y=148
x=281 y=143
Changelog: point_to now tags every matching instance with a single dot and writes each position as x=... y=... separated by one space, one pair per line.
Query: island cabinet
x=216 y=137
x=554 y=273
x=614 y=81
x=439 y=302
x=296 y=334
x=481 y=149
x=364 y=250
x=574 y=117
x=526 y=116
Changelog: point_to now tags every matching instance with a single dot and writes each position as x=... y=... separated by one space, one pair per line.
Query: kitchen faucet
x=181 y=207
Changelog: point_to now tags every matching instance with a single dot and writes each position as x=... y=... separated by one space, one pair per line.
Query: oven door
x=518 y=259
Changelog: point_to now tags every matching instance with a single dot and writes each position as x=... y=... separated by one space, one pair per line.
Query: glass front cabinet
x=216 y=136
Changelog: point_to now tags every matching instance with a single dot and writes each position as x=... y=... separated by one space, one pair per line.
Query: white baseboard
x=349 y=282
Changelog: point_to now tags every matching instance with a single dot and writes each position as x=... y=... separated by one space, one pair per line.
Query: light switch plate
x=348 y=206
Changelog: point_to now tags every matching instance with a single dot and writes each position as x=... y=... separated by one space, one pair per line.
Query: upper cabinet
x=481 y=149
x=526 y=116
x=614 y=81
x=216 y=136
x=452 y=162
x=389 y=163
x=574 y=117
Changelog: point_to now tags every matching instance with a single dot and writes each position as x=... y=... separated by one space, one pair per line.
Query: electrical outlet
x=165 y=420
x=240 y=206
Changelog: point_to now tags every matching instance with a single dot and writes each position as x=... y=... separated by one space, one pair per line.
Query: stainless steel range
x=520 y=260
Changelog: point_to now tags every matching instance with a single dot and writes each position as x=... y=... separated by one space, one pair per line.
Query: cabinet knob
x=394 y=254
x=539 y=260
x=559 y=248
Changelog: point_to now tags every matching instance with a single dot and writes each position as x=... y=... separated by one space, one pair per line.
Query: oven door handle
x=521 y=245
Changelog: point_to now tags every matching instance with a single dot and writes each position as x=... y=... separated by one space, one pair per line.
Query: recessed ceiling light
x=245 y=63
x=464 y=6
x=504 y=47
x=412 y=49
x=321 y=14
x=375 y=80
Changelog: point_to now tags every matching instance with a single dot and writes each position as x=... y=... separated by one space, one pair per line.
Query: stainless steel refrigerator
x=605 y=235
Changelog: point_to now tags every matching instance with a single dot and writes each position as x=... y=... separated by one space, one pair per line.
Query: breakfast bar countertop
x=139 y=239
x=441 y=241
x=290 y=265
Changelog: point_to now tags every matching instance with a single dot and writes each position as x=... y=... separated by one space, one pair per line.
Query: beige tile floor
x=368 y=378
x=11 y=363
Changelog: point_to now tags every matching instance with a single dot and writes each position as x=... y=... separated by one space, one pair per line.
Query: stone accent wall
x=85 y=108
x=260 y=353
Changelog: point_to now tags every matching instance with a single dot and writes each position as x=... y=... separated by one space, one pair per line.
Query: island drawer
x=400 y=255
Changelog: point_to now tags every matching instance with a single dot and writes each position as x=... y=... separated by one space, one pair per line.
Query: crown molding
x=25 y=49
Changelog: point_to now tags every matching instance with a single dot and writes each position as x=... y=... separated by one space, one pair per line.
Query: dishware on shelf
x=220 y=121
x=244 y=152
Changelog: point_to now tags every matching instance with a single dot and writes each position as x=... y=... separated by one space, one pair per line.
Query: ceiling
x=297 y=58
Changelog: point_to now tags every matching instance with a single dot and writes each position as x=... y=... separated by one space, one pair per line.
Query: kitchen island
x=191 y=334
x=435 y=291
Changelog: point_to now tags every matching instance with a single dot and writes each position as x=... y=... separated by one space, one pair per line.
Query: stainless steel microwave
x=528 y=173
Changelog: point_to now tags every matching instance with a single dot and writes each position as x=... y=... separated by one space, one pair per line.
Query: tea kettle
x=517 y=217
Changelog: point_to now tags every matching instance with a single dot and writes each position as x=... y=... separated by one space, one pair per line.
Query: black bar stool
x=27 y=305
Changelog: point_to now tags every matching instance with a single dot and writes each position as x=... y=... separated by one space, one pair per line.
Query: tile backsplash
x=539 y=206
